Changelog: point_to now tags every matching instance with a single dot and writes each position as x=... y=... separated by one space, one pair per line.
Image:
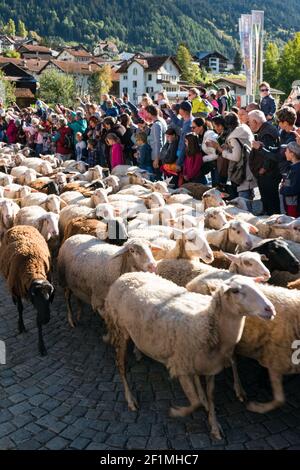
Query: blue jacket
x=268 y=105
x=145 y=160
x=291 y=185
x=186 y=127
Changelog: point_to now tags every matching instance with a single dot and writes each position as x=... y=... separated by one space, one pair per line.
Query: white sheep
x=183 y=271
x=271 y=344
x=189 y=333
x=233 y=234
x=5 y=179
x=45 y=222
x=51 y=203
x=16 y=191
x=23 y=175
x=8 y=212
x=87 y=267
x=40 y=166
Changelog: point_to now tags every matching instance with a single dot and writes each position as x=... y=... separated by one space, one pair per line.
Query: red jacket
x=11 y=132
x=60 y=144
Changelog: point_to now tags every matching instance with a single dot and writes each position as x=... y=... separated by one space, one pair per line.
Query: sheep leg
x=188 y=387
x=215 y=427
x=21 y=326
x=278 y=395
x=201 y=392
x=238 y=388
x=42 y=347
x=121 y=349
x=68 y=295
x=80 y=309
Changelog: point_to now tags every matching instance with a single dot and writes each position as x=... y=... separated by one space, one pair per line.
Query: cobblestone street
x=73 y=398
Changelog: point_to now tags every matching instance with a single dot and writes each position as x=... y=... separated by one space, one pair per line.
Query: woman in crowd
x=193 y=159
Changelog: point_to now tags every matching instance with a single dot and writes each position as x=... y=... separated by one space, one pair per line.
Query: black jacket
x=268 y=135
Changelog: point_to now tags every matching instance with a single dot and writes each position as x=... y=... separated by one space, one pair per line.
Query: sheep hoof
x=216 y=433
x=256 y=407
x=106 y=338
x=133 y=405
x=176 y=412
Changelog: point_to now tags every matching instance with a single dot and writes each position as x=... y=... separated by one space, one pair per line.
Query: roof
x=3 y=36
x=242 y=84
x=31 y=65
x=104 y=45
x=73 y=67
x=33 y=48
x=203 y=54
x=23 y=93
x=76 y=53
x=151 y=64
x=33 y=56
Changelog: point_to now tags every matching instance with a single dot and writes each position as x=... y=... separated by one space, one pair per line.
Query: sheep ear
x=63 y=204
x=264 y=257
x=225 y=227
x=259 y=279
x=230 y=256
x=177 y=233
x=252 y=229
x=121 y=252
x=229 y=216
x=108 y=190
x=224 y=195
x=155 y=248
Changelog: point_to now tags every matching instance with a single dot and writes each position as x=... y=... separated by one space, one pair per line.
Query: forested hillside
x=156 y=25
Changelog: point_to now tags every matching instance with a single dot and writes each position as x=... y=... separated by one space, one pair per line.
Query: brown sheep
x=25 y=264
x=82 y=225
x=294 y=284
x=196 y=189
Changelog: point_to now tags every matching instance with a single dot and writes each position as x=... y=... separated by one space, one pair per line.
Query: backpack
x=208 y=105
x=68 y=141
x=238 y=171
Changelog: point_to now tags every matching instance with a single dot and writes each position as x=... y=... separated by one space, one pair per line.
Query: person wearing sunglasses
x=267 y=102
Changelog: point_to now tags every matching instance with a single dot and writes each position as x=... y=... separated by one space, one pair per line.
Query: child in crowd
x=193 y=159
x=92 y=152
x=290 y=186
x=81 y=151
x=116 y=154
x=39 y=141
x=143 y=154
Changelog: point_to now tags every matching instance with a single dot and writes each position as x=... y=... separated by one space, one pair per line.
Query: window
x=150 y=77
x=149 y=89
x=134 y=84
x=125 y=77
x=135 y=71
x=125 y=90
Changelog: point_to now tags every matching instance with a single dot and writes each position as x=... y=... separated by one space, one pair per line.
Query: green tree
x=12 y=54
x=190 y=71
x=7 y=90
x=10 y=28
x=56 y=87
x=289 y=64
x=271 y=63
x=100 y=82
x=22 y=31
x=237 y=61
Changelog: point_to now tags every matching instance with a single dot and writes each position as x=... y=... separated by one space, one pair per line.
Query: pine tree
x=10 y=28
x=22 y=31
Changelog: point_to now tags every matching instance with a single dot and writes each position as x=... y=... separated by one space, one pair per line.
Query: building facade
x=148 y=75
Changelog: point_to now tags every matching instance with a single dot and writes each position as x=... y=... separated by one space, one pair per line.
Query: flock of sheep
x=187 y=277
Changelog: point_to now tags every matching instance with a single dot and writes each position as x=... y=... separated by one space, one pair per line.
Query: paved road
x=73 y=398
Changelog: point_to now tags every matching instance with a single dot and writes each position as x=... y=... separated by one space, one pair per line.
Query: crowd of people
x=203 y=139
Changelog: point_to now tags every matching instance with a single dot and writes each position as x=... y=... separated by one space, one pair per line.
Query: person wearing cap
x=290 y=186
x=185 y=123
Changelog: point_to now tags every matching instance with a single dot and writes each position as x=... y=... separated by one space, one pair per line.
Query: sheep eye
x=248 y=263
x=238 y=232
x=235 y=290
